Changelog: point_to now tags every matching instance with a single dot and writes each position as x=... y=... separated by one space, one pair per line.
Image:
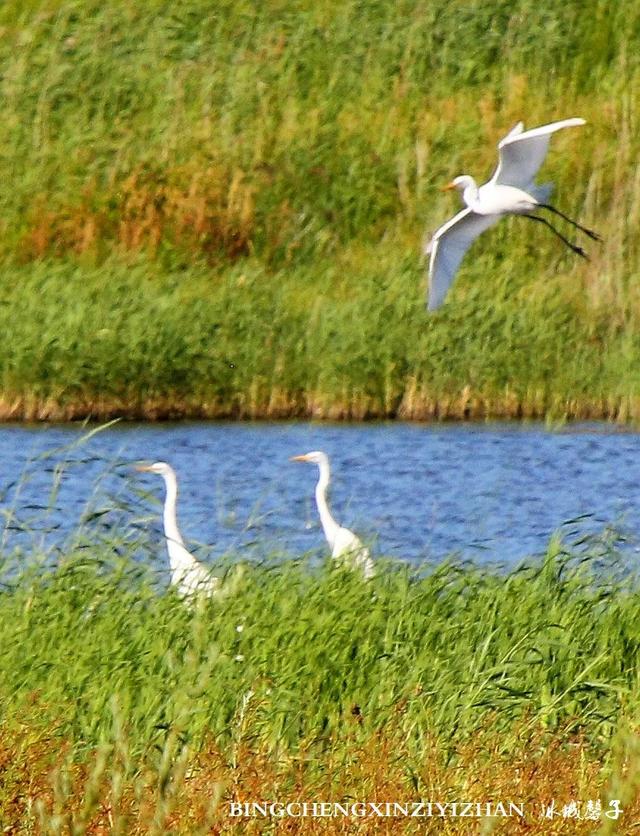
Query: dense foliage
x=225 y=204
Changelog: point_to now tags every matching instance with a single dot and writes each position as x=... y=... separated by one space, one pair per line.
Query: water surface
x=490 y=491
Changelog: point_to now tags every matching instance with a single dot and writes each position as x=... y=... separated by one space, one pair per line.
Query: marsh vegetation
x=220 y=211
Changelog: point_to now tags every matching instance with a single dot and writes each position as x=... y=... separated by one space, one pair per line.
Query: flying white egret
x=188 y=575
x=344 y=545
x=511 y=191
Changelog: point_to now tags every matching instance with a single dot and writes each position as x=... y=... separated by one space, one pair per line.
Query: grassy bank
x=219 y=211
x=116 y=340
x=123 y=708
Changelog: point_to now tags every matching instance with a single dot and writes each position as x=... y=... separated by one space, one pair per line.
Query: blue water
x=491 y=492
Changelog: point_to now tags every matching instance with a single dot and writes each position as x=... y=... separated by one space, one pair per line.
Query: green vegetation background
x=218 y=208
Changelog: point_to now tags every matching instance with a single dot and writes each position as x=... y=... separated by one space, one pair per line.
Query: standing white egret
x=344 y=544
x=511 y=191
x=188 y=575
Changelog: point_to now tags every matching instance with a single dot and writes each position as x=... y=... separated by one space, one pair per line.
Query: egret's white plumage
x=344 y=544
x=188 y=575
x=511 y=190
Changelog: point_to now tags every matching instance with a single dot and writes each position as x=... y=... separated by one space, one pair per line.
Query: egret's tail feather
x=543 y=192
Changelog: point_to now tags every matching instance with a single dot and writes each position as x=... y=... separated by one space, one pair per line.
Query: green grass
x=554 y=644
x=111 y=340
x=310 y=678
x=123 y=707
x=220 y=210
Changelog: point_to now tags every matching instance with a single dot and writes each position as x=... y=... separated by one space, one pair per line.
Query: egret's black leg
x=571 y=246
x=588 y=232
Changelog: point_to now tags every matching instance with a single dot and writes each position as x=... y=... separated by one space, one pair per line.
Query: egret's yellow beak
x=448 y=187
x=299 y=459
x=143 y=468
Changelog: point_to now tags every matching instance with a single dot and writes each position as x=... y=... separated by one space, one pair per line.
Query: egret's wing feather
x=349 y=550
x=515 y=131
x=523 y=152
x=345 y=541
x=447 y=248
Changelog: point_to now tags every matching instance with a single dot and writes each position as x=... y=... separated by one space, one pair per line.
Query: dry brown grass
x=39 y=781
x=208 y=212
x=416 y=405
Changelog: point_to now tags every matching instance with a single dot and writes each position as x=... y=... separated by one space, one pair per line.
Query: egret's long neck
x=329 y=525
x=470 y=195
x=171 y=531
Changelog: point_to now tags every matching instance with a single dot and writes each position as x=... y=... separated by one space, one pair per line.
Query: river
x=493 y=492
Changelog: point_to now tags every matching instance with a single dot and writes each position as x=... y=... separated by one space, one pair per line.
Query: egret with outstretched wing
x=511 y=191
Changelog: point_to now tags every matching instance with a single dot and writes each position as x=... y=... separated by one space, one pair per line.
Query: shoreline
x=465 y=406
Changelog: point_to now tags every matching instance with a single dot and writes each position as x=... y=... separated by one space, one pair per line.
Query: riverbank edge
x=414 y=405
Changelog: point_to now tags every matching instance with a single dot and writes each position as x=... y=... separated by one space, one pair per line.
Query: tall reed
x=271 y=172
